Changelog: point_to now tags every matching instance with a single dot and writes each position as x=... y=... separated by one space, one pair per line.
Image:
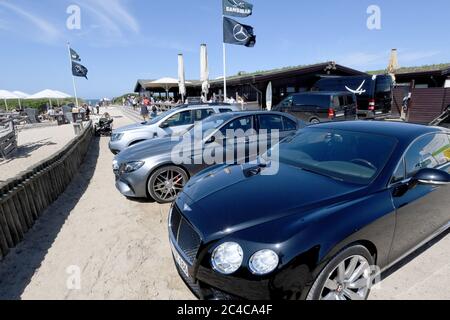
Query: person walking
x=144 y=109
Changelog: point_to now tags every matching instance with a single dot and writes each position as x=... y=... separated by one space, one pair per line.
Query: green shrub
x=39 y=104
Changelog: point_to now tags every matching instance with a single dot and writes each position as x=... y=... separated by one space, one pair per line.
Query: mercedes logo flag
x=237 y=8
x=237 y=33
x=74 y=55
x=79 y=70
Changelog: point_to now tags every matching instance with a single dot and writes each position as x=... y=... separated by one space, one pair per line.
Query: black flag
x=74 y=55
x=237 y=8
x=79 y=70
x=237 y=33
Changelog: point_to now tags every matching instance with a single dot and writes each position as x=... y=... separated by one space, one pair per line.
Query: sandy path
x=35 y=145
x=121 y=248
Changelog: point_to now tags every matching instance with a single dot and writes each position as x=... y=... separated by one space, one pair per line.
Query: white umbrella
x=21 y=95
x=61 y=95
x=269 y=96
x=204 y=70
x=6 y=95
x=47 y=94
x=181 y=77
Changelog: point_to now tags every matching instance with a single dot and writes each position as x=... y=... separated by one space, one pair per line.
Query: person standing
x=135 y=103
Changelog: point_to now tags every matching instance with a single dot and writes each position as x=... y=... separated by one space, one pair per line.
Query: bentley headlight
x=133 y=166
x=227 y=258
x=116 y=136
x=263 y=262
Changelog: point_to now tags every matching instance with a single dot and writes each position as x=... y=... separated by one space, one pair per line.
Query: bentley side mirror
x=432 y=177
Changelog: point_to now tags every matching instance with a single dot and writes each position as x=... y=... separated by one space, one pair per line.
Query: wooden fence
x=426 y=103
x=24 y=198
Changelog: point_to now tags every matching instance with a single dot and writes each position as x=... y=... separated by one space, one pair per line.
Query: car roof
x=234 y=114
x=251 y=113
x=406 y=132
x=204 y=105
x=324 y=93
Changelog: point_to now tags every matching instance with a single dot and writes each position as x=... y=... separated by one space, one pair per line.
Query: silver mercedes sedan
x=171 y=123
x=158 y=169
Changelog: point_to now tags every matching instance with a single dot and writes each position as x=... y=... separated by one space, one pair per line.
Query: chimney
x=393 y=62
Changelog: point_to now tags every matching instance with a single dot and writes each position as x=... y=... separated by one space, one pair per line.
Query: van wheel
x=314 y=121
x=165 y=183
x=346 y=277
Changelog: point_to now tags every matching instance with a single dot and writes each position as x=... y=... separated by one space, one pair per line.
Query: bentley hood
x=233 y=198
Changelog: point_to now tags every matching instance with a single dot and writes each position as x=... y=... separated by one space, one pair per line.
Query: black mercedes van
x=316 y=107
x=373 y=93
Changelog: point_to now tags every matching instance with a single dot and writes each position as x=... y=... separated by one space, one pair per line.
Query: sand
x=120 y=246
x=35 y=145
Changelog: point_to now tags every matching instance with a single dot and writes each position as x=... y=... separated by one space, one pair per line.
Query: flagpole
x=73 y=77
x=224 y=73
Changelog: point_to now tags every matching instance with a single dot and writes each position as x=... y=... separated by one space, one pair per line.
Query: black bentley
x=346 y=197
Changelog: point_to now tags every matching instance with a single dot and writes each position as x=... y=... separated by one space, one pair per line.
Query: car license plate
x=340 y=114
x=180 y=262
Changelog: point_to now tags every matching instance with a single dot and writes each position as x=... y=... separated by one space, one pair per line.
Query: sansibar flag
x=237 y=33
x=237 y=8
x=79 y=70
x=74 y=55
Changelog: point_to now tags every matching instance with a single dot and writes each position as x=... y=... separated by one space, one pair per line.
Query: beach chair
x=8 y=139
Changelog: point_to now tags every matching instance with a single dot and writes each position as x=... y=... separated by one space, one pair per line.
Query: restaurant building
x=252 y=86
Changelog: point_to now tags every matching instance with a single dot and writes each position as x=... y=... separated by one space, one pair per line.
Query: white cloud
x=363 y=60
x=3 y=25
x=103 y=21
x=116 y=11
x=47 y=32
x=415 y=56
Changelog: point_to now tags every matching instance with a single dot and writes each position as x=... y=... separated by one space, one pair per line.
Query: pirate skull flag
x=237 y=33
x=79 y=70
x=237 y=8
x=74 y=55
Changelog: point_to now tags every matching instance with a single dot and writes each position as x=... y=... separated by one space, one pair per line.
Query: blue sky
x=123 y=40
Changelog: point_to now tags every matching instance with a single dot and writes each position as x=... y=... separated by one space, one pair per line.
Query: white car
x=173 y=122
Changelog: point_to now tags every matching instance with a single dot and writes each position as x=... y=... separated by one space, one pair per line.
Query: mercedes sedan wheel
x=165 y=183
x=346 y=277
